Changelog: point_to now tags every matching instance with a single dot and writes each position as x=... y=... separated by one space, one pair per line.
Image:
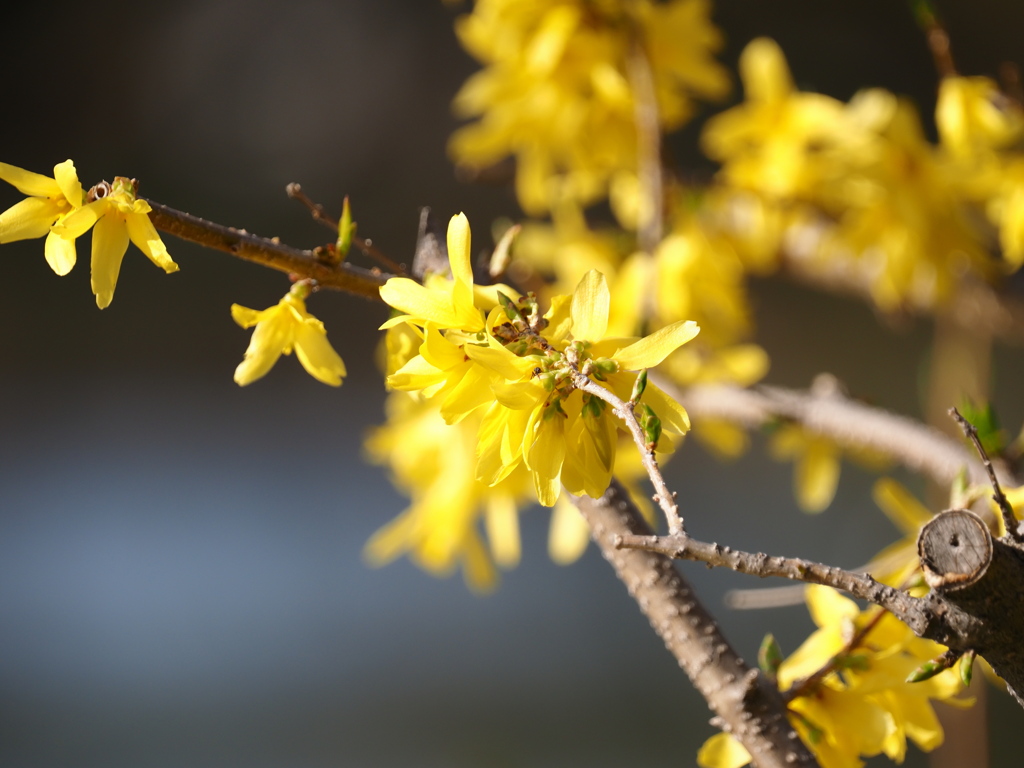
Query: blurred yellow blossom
x=862 y=705
x=556 y=92
x=116 y=215
x=280 y=329
x=49 y=201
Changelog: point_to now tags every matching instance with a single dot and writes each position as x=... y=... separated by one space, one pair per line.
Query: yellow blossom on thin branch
x=116 y=215
x=280 y=329
x=49 y=201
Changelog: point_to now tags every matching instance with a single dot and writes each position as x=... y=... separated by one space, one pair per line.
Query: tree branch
x=269 y=253
x=746 y=704
x=847 y=422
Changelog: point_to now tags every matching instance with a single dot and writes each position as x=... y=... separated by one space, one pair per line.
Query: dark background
x=180 y=572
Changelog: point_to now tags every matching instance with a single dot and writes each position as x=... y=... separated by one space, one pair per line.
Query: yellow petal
x=144 y=235
x=545 y=458
x=244 y=316
x=502 y=521
x=499 y=359
x=900 y=506
x=28 y=219
x=651 y=350
x=817 y=475
x=67 y=179
x=764 y=71
x=60 y=253
x=29 y=183
x=828 y=608
x=722 y=751
x=77 y=223
x=109 y=242
x=589 y=308
x=472 y=391
x=317 y=356
x=268 y=341
x=569 y=533
x=419 y=303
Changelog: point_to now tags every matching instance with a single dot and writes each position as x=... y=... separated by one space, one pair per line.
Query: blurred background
x=181 y=580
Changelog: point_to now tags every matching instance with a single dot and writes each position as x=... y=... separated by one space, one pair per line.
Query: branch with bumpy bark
x=745 y=703
x=825 y=411
x=268 y=252
x=974 y=603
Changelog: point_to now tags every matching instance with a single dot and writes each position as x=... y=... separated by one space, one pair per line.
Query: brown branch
x=269 y=253
x=849 y=423
x=861 y=585
x=665 y=498
x=746 y=704
x=320 y=215
x=1009 y=521
x=651 y=225
x=974 y=306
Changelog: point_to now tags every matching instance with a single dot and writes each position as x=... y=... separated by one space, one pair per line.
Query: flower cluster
x=59 y=209
x=857 y=186
x=862 y=705
x=489 y=350
x=556 y=91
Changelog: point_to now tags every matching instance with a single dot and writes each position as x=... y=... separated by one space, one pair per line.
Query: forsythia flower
x=49 y=202
x=487 y=350
x=556 y=90
x=890 y=207
x=280 y=329
x=432 y=462
x=864 y=706
x=115 y=215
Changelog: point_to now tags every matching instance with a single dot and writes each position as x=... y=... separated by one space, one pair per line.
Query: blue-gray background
x=180 y=572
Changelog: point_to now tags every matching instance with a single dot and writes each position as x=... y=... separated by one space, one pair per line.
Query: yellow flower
x=280 y=329
x=444 y=303
x=974 y=117
x=556 y=90
x=894 y=564
x=516 y=369
x=817 y=467
x=118 y=216
x=863 y=706
x=49 y=201
x=432 y=461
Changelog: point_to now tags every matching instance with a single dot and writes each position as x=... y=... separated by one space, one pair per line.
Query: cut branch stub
x=955 y=549
x=982 y=577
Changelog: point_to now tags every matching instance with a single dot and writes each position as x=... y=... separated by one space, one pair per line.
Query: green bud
x=638 y=389
x=967 y=668
x=605 y=366
x=346 y=231
x=511 y=310
x=769 y=656
x=651 y=425
x=926 y=671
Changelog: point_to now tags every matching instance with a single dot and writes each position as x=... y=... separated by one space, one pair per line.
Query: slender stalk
x=665 y=498
x=268 y=252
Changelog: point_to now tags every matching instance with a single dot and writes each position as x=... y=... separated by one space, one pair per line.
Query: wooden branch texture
x=746 y=704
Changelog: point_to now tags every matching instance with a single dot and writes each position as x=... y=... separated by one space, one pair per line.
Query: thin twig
x=860 y=585
x=648 y=138
x=1009 y=520
x=268 y=252
x=320 y=215
x=665 y=498
x=936 y=35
